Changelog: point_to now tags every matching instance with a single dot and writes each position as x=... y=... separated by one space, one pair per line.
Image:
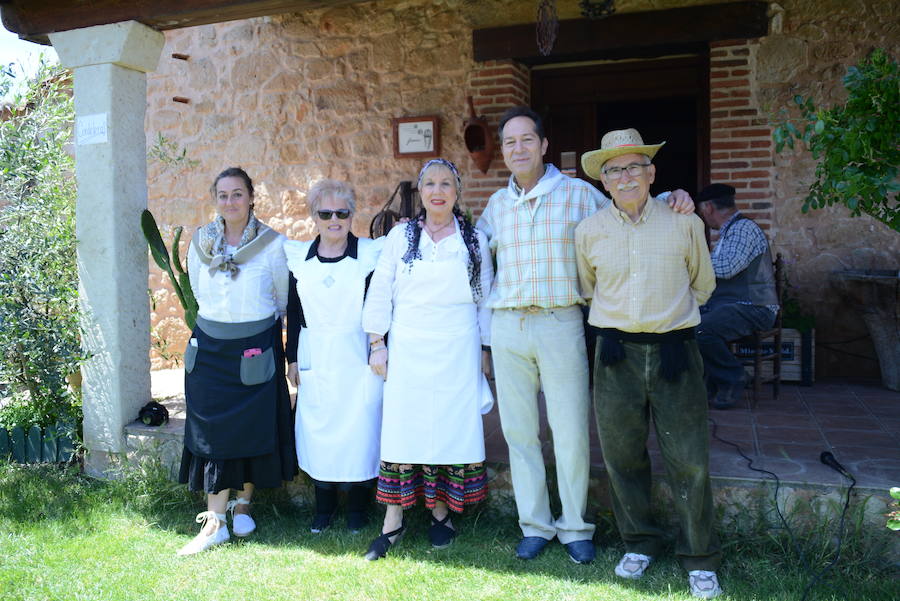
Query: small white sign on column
x=91 y=129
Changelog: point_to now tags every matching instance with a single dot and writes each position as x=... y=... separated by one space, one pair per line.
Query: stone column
x=110 y=63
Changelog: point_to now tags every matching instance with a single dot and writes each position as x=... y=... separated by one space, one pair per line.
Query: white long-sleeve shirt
x=259 y=290
x=389 y=295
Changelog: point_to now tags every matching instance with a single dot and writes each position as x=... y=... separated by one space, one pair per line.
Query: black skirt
x=262 y=428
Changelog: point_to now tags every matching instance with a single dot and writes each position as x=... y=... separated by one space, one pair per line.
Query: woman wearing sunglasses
x=338 y=397
x=428 y=292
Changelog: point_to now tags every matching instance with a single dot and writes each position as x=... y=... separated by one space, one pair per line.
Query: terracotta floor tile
x=779 y=408
x=891 y=425
x=789 y=435
x=847 y=422
x=837 y=408
x=732 y=418
x=794 y=452
x=785 y=421
x=734 y=433
x=886 y=412
x=859 y=420
x=838 y=438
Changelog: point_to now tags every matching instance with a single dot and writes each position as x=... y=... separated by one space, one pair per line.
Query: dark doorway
x=664 y=99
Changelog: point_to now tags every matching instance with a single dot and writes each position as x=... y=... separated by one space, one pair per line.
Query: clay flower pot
x=479 y=140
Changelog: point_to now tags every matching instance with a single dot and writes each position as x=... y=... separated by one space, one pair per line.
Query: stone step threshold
x=733 y=495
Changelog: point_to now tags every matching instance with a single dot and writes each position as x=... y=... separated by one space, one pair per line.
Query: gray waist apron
x=231 y=388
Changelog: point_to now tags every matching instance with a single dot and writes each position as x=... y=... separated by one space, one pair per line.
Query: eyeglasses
x=634 y=170
x=326 y=215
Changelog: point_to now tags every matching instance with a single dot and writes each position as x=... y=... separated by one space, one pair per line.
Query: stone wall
x=295 y=98
x=810 y=46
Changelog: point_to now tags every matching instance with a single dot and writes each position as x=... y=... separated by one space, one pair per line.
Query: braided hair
x=466 y=228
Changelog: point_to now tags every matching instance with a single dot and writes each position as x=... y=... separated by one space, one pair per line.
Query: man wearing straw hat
x=648 y=271
x=537 y=333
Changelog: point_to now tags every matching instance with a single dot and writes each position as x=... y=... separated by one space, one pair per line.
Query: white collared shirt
x=259 y=290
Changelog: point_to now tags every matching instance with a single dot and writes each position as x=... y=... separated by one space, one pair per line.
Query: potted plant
x=857 y=156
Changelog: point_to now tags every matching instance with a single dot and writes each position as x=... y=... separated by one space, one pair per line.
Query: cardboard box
x=798 y=357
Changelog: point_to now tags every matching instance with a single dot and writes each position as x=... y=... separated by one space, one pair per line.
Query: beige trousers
x=545 y=350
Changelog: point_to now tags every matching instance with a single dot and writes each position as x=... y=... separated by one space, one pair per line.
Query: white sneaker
x=241 y=523
x=704 y=584
x=202 y=542
x=633 y=565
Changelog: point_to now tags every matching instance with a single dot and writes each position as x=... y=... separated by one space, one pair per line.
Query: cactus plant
x=180 y=281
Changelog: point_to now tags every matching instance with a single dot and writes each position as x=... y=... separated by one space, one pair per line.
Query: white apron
x=339 y=399
x=433 y=393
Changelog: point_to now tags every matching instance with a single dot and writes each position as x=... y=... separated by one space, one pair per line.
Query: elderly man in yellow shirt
x=648 y=271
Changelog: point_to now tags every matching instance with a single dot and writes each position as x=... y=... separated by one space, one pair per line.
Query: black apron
x=231 y=389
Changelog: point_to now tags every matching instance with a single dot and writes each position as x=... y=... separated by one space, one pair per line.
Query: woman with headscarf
x=338 y=397
x=428 y=292
x=238 y=429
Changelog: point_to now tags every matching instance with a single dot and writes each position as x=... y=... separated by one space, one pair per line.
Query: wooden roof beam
x=626 y=34
x=34 y=19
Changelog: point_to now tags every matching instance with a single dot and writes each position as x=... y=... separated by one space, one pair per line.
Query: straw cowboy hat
x=616 y=143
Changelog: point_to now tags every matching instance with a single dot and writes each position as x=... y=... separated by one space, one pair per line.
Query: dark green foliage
x=855 y=143
x=39 y=325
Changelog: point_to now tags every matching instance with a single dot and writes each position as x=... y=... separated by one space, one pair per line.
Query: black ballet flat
x=380 y=546
x=439 y=533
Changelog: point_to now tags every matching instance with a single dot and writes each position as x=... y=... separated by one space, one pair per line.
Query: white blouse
x=387 y=293
x=259 y=290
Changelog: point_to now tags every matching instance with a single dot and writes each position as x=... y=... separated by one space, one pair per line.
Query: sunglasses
x=326 y=215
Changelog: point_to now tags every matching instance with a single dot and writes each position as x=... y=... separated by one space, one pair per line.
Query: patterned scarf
x=466 y=229
x=213 y=245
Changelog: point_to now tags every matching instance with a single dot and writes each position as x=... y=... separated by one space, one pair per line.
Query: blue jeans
x=719 y=326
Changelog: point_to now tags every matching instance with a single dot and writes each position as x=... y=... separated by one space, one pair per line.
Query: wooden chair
x=757 y=343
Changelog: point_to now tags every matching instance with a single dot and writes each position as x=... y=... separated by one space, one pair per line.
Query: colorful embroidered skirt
x=455 y=485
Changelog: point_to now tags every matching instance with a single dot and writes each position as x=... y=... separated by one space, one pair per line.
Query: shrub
x=854 y=143
x=39 y=324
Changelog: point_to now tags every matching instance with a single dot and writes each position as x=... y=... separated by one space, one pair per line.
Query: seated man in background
x=744 y=300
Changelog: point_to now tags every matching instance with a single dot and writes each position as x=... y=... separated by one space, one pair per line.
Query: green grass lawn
x=66 y=537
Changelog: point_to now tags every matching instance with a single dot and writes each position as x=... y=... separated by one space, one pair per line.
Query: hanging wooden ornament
x=547 y=26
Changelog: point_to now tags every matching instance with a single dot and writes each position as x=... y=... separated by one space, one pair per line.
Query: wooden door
x=664 y=99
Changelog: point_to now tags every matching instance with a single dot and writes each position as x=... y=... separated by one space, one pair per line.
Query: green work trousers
x=626 y=396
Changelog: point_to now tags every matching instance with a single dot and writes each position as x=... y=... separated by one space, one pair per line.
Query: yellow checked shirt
x=649 y=276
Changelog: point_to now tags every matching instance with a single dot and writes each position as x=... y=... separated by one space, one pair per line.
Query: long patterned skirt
x=455 y=485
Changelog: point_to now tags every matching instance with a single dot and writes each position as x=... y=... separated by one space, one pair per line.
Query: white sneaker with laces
x=704 y=584
x=633 y=565
x=241 y=523
x=202 y=542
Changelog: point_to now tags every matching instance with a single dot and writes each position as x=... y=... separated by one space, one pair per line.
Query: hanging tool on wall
x=387 y=217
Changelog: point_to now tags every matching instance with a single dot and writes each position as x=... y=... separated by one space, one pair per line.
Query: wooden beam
x=629 y=34
x=34 y=19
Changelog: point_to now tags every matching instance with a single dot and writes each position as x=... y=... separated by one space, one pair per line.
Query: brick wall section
x=741 y=149
x=494 y=86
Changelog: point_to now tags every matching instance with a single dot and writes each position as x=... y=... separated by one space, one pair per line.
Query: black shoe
x=440 y=534
x=321 y=523
x=380 y=546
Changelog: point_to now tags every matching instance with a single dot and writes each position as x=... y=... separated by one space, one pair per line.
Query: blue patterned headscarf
x=442 y=163
x=466 y=229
